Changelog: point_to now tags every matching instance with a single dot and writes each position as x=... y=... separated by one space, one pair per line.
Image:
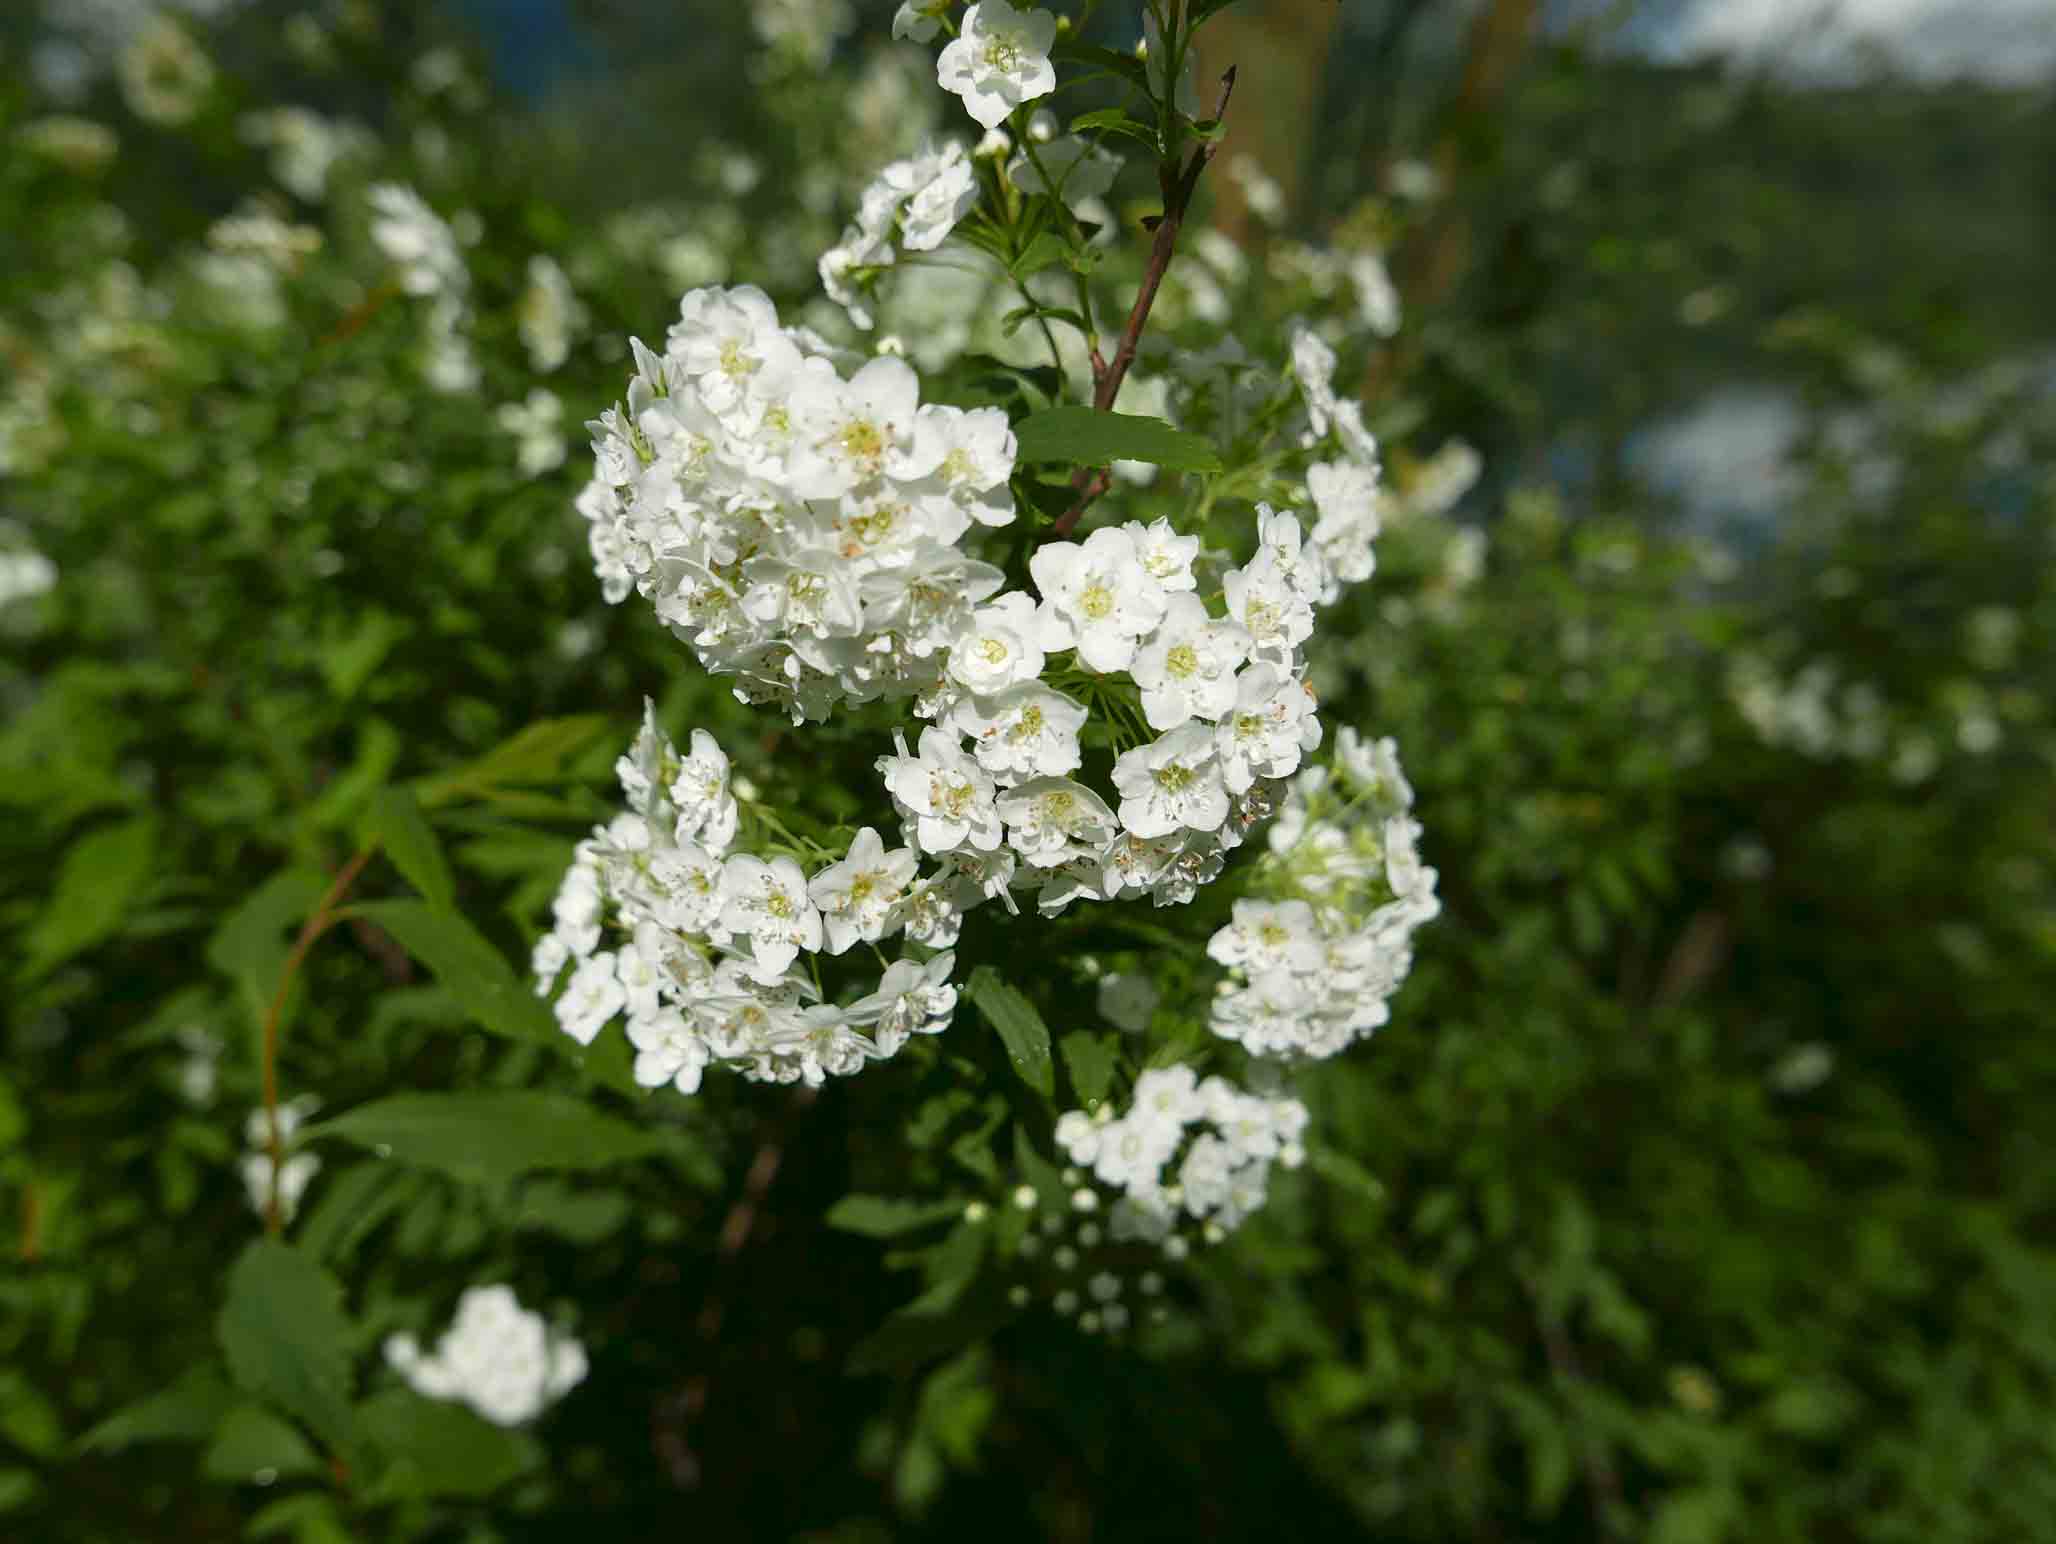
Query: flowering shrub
x=980 y=631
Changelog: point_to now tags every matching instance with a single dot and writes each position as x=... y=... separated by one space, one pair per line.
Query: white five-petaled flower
x=1002 y=647
x=769 y=902
x=947 y=795
x=999 y=60
x=913 y=998
x=1027 y=730
x=859 y=896
x=1270 y=727
x=1187 y=667
x=1051 y=820
x=1172 y=783
x=593 y=997
x=1098 y=597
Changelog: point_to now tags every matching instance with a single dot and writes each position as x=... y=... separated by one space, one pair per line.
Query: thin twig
x=1107 y=378
x=317 y=923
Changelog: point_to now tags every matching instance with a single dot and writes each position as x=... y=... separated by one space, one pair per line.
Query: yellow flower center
x=1182 y=661
x=1097 y=602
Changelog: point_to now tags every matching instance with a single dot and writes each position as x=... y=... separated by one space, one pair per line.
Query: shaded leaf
x=492 y=1136
x=442 y=1449
x=286 y=1338
x=1084 y=437
x=888 y=1216
x=409 y=842
x=187 y=1411
x=1090 y=1059
x=1019 y=1026
x=101 y=876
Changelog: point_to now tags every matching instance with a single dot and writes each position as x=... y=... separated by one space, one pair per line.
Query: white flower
x=916 y=20
x=1187 y=667
x=1269 y=935
x=1099 y=596
x=1263 y=598
x=913 y=998
x=416 y=238
x=1171 y=783
x=1166 y=555
x=999 y=59
x=1374 y=766
x=941 y=190
x=699 y=790
x=1028 y=730
x=496 y=1357
x=548 y=314
x=593 y=997
x=668 y=1050
x=1000 y=648
x=1377 y=299
x=948 y=797
x=858 y=896
x=846 y=431
x=966 y=457
x=1345 y=495
x=1052 y=819
x=769 y=902
x=1271 y=726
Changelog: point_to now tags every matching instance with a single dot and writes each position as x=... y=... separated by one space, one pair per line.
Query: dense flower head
x=1187 y=1155
x=497 y=1357
x=1315 y=955
x=705 y=942
x=800 y=528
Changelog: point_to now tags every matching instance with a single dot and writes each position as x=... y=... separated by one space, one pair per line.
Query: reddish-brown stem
x=1107 y=377
x=318 y=922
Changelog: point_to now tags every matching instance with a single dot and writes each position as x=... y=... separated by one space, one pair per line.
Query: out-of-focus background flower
x=1702 y=1187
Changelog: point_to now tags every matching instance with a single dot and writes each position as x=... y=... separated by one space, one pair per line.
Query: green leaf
x=1045 y=251
x=1090 y=1059
x=1082 y=437
x=442 y=1449
x=286 y=1338
x=100 y=877
x=492 y=1136
x=888 y=1216
x=187 y=1411
x=1019 y=1025
x=1127 y=66
x=1343 y=1171
x=538 y=754
x=1116 y=120
x=250 y=948
x=466 y=962
x=940 y=1321
x=28 y=1418
x=256 y=1447
x=404 y=831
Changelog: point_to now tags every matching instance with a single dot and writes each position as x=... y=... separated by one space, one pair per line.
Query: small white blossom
x=497 y=1357
x=999 y=59
x=1172 y=783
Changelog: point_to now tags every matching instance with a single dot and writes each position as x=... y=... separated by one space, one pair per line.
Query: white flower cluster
x=799 y=530
x=295 y=1174
x=990 y=789
x=706 y=959
x=1329 y=939
x=922 y=198
x=496 y=1357
x=423 y=246
x=1186 y=1155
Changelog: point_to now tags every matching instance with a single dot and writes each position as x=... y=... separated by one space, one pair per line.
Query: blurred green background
x=1702 y=1187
